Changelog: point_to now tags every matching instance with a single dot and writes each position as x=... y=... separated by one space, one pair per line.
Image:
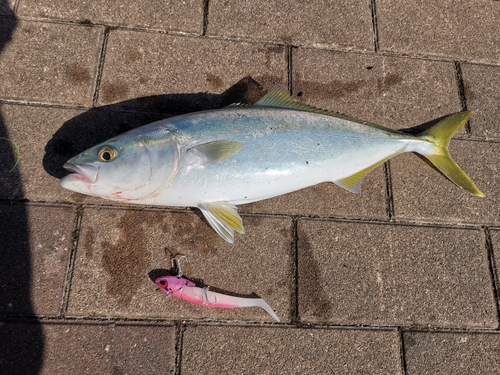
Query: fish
x=185 y=289
x=215 y=160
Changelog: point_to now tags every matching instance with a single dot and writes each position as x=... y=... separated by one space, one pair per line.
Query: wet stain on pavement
x=331 y=90
x=385 y=82
x=214 y=81
x=89 y=242
x=132 y=55
x=268 y=52
x=311 y=295
x=269 y=81
x=337 y=89
x=114 y=91
x=470 y=95
x=287 y=39
x=126 y=261
x=28 y=30
x=275 y=48
x=410 y=341
x=77 y=74
x=78 y=198
x=193 y=232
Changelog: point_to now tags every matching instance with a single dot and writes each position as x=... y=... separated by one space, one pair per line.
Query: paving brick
x=381 y=274
x=35 y=254
x=290 y=351
x=91 y=349
x=421 y=193
x=50 y=63
x=328 y=199
x=391 y=91
x=481 y=92
x=119 y=248
x=185 y=16
x=444 y=28
x=275 y=20
x=179 y=64
x=452 y=353
x=31 y=128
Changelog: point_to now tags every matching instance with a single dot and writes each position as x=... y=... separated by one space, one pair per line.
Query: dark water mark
x=126 y=261
x=313 y=299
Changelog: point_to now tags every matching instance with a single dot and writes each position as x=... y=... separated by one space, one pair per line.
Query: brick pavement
x=401 y=279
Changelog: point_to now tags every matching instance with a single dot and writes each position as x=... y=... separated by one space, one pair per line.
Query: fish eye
x=106 y=154
x=163 y=283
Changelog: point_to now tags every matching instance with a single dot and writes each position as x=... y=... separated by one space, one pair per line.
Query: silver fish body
x=281 y=151
x=217 y=159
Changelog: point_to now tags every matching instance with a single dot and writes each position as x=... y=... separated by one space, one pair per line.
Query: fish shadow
x=101 y=123
x=418 y=129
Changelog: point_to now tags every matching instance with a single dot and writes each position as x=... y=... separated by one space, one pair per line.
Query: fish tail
x=439 y=135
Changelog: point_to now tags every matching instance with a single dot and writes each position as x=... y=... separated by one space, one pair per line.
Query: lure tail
x=439 y=135
x=226 y=301
x=259 y=302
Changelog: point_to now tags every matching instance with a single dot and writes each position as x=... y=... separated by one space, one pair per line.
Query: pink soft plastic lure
x=187 y=290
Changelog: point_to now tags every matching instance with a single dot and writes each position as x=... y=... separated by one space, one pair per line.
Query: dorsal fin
x=279 y=97
x=232 y=105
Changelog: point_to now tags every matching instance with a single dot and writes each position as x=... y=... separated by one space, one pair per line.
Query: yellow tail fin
x=440 y=135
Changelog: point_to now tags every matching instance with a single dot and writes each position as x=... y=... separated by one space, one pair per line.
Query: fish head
x=126 y=168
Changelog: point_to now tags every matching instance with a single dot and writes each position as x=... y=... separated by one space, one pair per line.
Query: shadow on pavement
x=22 y=342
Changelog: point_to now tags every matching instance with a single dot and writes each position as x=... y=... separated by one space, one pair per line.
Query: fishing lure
x=185 y=289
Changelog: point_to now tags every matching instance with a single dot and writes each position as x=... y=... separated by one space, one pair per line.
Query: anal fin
x=224 y=218
x=353 y=182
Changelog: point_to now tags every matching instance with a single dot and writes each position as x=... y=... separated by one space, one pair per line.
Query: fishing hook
x=206 y=301
x=178 y=261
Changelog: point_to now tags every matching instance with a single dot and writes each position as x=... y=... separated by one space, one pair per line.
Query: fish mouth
x=85 y=172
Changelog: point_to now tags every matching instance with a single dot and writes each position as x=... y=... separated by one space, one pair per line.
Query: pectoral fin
x=219 y=150
x=224 y=218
